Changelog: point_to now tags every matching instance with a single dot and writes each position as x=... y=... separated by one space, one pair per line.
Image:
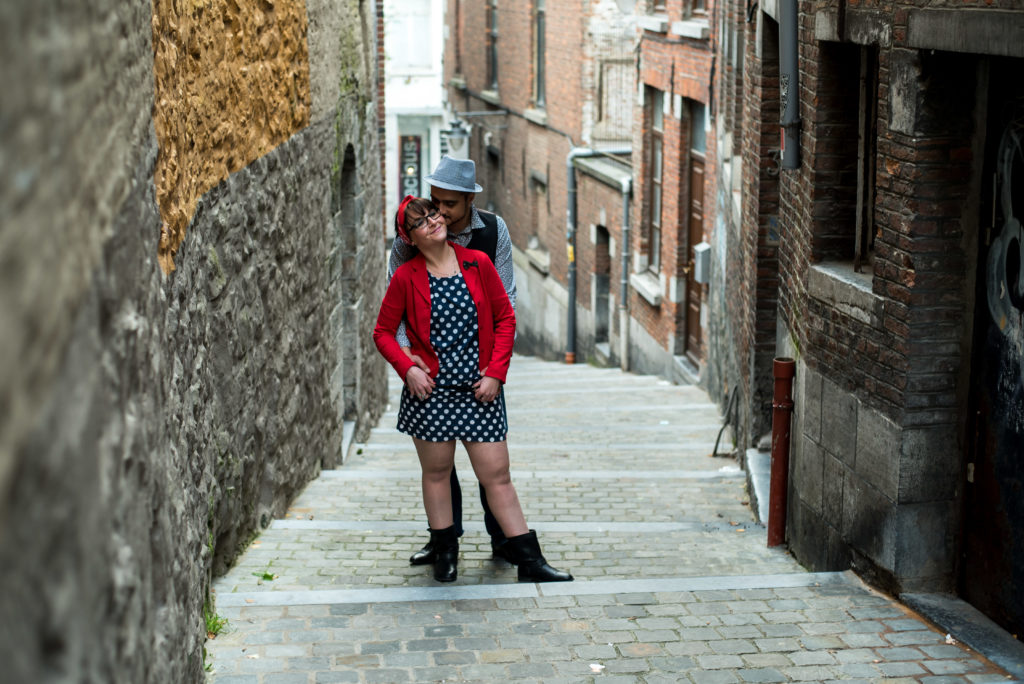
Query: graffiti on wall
x=1004 y=275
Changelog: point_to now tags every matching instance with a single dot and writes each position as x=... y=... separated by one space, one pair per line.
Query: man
x=453 y=187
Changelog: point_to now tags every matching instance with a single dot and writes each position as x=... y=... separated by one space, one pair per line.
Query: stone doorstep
x=971 y=627
x=759 y=466
x=962 y=621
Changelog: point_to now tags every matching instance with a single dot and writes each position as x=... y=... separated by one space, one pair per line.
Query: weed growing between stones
x=215 y=624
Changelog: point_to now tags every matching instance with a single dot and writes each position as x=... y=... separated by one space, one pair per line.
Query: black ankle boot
x=499 y=551
x=446 y=554
x=525 y=552
x=424 y=556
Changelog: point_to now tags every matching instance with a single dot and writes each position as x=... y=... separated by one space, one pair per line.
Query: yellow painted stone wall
x=232 y=82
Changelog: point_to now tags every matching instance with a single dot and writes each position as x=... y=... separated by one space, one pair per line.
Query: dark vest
x=486 y=238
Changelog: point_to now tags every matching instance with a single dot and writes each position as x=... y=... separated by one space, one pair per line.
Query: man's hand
x=415 y=358
x=486 y=389
x=419 y=383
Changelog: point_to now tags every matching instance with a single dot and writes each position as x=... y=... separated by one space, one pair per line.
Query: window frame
x=539 y=50
x=867 y=125
x=654 y=179
x=492 y=44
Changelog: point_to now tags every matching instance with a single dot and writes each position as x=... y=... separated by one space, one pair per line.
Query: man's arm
x=503 y=261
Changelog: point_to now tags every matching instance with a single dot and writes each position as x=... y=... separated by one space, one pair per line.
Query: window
x=867 y=125
x=656 y=119
x=457 y=31
x=656 y=6
x=492 y=44
x=698 y=130
x=538 y=53
x=410 y=49
x=847 y=101
x=614 y=101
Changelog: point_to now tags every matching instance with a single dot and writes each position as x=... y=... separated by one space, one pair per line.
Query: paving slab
x=674 y=580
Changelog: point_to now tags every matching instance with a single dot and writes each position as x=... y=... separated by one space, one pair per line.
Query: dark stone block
x=838 y=422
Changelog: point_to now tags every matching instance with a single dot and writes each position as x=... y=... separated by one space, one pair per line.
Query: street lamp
x=458 y=140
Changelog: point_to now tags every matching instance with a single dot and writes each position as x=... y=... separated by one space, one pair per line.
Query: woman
x=460 y=322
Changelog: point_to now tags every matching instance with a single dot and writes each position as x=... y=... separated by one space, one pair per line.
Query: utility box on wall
x=702 y=262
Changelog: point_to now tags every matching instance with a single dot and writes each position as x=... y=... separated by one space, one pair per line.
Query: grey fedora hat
x=455 y=174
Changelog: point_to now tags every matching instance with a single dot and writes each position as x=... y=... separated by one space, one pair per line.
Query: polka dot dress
x=451 y=411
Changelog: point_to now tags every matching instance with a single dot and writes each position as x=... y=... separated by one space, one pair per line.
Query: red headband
x=400 y=219
x=401 y=209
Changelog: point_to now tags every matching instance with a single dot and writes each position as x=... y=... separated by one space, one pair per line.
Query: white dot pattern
x=451 y=411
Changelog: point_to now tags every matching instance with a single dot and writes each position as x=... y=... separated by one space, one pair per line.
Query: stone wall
x=150 y=424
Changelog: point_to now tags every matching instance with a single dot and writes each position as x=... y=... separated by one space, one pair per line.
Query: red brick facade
x=883 y=262
x=521 y=150
x=680 y=68
x=902 y=423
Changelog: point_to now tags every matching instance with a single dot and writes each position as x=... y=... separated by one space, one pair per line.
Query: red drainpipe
x=782 y=410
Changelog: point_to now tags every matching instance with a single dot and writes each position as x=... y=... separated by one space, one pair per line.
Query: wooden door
x=695 y=234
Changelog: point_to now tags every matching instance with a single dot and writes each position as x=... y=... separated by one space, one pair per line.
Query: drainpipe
x=627 y=191
x=570 y=237
x=789 y=82
x=782 y=410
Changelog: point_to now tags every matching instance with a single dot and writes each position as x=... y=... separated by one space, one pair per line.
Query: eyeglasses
x=416 y=225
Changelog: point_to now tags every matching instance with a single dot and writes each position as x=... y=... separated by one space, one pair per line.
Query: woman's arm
x=392 y=310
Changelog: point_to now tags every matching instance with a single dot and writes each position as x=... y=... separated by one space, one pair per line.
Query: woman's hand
x=419 y=383
x=486 y=389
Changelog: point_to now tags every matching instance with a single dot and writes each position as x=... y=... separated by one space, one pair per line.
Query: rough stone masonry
x=151 y=420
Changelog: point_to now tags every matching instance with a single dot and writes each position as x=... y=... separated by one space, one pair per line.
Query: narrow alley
x=673 y=578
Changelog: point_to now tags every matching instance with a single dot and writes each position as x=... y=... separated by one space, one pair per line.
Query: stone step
x=495 y=597
x=305 y=557
x=544 y=496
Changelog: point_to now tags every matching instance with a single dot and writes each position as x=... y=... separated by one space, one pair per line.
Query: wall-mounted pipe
x=782 y=410
x=627 y=192
x=789 y=82
x=570 y=237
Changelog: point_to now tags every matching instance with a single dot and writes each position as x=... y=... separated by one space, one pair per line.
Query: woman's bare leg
x=490 y=463
x=436 y=460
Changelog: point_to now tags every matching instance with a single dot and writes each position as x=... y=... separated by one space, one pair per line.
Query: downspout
x=783 y=368
x=789 y=82
x=570 y=237
x=627 y=191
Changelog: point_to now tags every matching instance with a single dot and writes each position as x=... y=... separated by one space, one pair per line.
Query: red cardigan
x=409 y=294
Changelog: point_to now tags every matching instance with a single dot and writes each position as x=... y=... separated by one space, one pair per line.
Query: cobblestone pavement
x=674 y=582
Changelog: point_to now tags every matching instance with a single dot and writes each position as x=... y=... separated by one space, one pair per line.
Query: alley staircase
x=614 y=470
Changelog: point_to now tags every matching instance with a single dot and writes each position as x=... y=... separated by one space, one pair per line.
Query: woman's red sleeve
x=391 y=311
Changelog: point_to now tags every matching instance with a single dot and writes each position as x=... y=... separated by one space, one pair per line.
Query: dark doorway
x=991 y=573
x=602 y=284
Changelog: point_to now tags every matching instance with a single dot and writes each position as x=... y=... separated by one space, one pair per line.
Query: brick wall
x=743 y=291
x=761 y=217
x=598 y=205
x=683 y=68
x=882 y=353
x=521 y=156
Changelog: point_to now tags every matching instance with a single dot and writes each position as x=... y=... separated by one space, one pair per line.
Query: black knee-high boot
x=446 y=550
x=525 y=550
